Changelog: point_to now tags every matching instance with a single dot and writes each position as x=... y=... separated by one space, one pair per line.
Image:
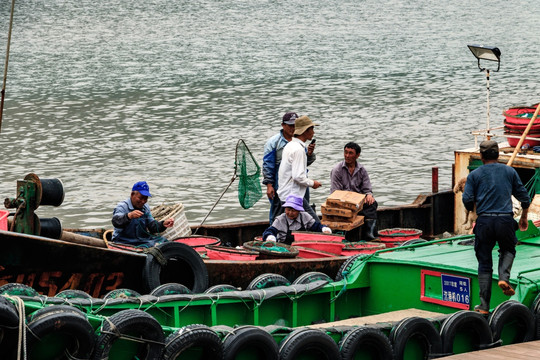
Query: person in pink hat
x=293 y=219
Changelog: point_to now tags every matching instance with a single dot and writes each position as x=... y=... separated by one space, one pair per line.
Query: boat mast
x=3 y=92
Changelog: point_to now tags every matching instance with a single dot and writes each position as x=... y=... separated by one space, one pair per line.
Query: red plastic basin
x=327 y=246
x=316 y=236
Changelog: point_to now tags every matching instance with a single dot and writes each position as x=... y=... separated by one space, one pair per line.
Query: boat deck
x=385 y=318
x=528 y=350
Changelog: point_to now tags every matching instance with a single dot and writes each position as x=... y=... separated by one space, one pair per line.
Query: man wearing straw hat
x=273 y=150
x=133 y=223
x=293 y=179
x=490 y=187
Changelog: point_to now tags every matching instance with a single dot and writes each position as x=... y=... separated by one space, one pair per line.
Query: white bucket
x=181 y=226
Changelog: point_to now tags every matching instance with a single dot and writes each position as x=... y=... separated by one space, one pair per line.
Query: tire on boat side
x=249 y=342
x=121 y=294
x=364 y=342
x=220 y=288
x=420 y=334
x=58 y=330
x=137 y=324
x=197 y=342
x=347 y=266
x=73 y=294
x=170 y=289
x=183 y=265
x=310 y=277
x=471 y=327
x=305 y=342
x=512 y=315
x=268 y=280
x=18 y=290
x=535 y=308
x=9 y=322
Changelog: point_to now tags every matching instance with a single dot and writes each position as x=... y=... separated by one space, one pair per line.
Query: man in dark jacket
x=491 y=187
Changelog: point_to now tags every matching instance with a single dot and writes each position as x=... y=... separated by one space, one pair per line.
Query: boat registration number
x=445 y=289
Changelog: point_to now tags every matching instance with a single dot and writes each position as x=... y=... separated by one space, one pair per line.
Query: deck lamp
x=489 y=53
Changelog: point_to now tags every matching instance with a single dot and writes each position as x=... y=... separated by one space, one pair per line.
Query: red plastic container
x=3 y=219
x=316 y=236
x=198 y=243
x=397 y=236
x=514 y=141
x=361 y=248
x=327 y=246
x=521 y=115
x=225 y=253
x=308 y=253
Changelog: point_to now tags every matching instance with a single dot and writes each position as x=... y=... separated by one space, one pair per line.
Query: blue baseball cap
x=142 y=187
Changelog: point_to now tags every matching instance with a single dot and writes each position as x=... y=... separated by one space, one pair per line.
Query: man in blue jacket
x=491 y=187
x=273 y=150
x=133 y=223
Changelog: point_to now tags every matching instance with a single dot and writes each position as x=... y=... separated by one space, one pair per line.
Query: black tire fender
x=18 y=290
x=268 y=280
x=184 y=266
x=364 y=340
x=135 y=323
x=472 y=325
x=415 y=329
x=512 y=313
x=220 y=288
x=346 y=267
x=249 y=342
x=197 y=342
x=170 y=289
x=59 y=321
x=121 y=294
x=535 y=308
x=9 y=322
x=313 y=341
x=73 y=294
x=310 y=277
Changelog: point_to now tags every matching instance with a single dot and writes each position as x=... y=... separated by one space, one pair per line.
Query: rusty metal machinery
x=31 y=193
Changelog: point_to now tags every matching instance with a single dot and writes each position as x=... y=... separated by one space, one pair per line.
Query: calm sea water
x=104 y=94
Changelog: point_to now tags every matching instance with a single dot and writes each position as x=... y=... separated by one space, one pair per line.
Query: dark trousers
x=369 y=211
x=491 y=230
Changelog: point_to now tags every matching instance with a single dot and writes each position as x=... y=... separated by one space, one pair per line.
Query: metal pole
x=6 y=64
x=487 y=110
x=434 y=179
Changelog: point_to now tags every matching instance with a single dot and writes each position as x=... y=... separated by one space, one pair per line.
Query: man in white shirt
x=293 y=178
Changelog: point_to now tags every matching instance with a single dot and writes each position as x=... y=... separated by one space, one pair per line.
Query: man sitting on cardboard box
x=350 y=175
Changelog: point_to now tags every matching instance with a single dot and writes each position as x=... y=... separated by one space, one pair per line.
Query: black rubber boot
x=370 y=230
x=484 y=282
x=506 y=260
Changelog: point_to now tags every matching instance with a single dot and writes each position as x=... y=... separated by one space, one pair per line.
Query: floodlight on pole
x=489 y=53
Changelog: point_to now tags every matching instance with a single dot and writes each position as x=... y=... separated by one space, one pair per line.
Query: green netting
x=248 y=172
x=533 y=185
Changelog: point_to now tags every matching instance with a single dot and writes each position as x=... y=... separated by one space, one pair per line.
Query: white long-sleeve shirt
x=293 y=178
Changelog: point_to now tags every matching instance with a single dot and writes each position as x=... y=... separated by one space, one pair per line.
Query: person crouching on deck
x=294 y=219
x=133 y=223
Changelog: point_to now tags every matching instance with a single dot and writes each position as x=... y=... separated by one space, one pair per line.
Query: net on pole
x=248 y=172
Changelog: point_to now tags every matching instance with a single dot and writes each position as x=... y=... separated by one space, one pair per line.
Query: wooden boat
x=306 y=319
x=90 y=264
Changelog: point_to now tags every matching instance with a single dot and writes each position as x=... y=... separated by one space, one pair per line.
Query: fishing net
x=248 y=172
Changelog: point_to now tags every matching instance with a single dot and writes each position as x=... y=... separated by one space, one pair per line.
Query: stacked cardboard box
x=340 y=211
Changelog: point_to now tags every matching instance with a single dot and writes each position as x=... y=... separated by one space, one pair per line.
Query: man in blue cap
x=133 y=223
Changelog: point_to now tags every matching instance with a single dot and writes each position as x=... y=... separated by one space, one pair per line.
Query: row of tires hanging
x=64 y=332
